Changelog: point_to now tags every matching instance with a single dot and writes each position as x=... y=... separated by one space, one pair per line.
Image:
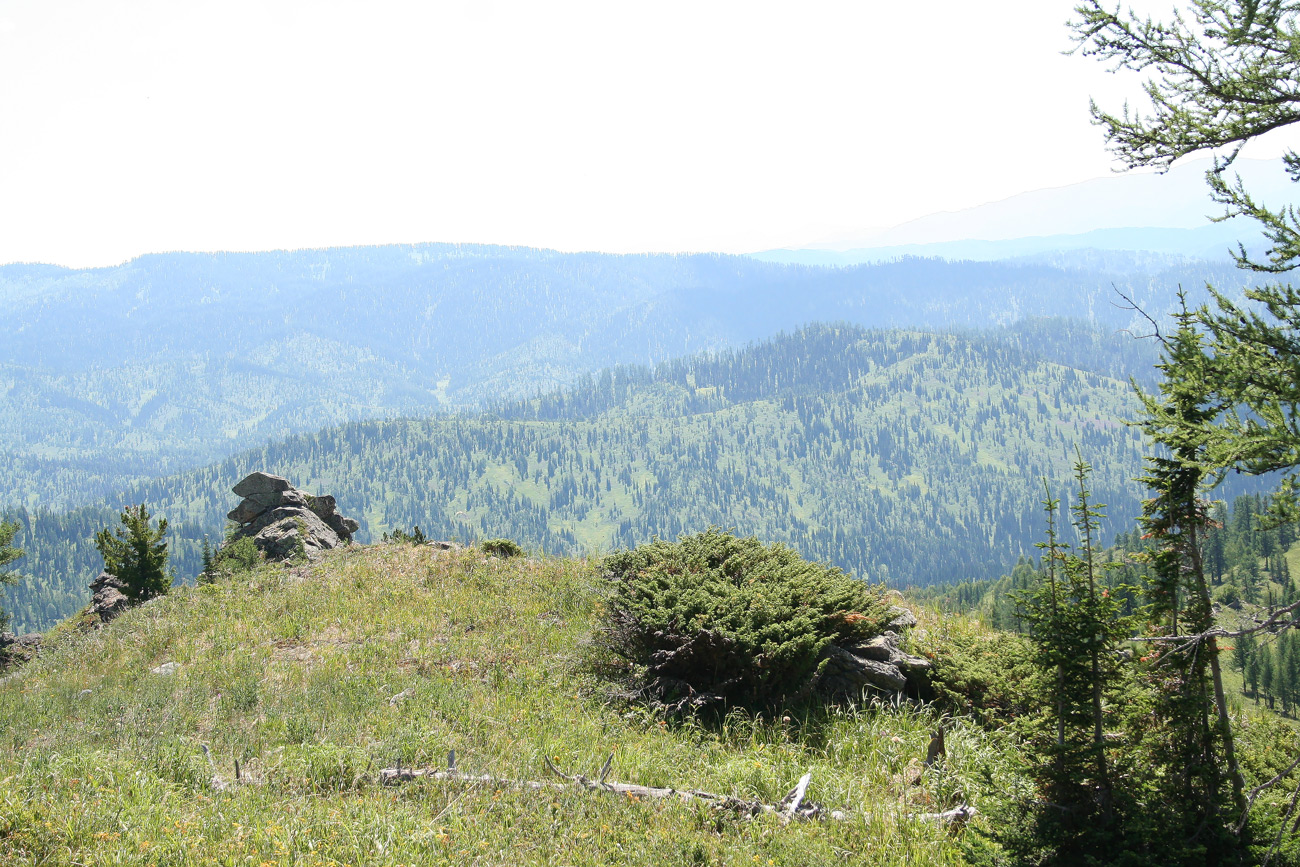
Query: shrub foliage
x=716 y=619
x=235 y=556
x=501 y=547
x=399 y=536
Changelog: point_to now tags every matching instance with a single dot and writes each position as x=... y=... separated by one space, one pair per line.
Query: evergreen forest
x=909 y=457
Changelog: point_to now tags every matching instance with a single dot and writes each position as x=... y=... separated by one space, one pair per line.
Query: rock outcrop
x=283 y=521
x=878 y=663
x=107 y=597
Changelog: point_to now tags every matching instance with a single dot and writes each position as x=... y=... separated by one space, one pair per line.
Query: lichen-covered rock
x=325 y=508
x=284 y=522
x=880 y=648
x=441 y=546
x=903 y=619
x=291 y=531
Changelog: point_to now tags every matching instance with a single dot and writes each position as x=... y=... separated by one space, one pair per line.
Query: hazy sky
x=132 y=127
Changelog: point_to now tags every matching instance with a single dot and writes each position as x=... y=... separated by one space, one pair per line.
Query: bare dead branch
x=796 y=797
x=1260 y=789
x=1186 y=642
x=792 y=807
x=1135 y=307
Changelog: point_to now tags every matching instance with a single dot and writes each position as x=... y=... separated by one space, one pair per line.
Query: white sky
x=130 y=127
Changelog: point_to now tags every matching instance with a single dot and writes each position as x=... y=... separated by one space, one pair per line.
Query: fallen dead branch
x=793 y=806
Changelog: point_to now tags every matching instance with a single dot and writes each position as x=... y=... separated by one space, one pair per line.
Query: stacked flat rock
x=107 y=599
x=279 y=518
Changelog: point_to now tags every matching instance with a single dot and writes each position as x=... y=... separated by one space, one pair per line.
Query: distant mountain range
x=112 y=375
x=1212 y=243
x=1137 y=211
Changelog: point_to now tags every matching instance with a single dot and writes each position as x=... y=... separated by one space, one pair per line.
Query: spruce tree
x=1252 y=675
x=1075 y=626
x=137 y=554
x=208 y=571
x=1220 y=74
x=1283 y=687
x=1176 y=518
x=1292 y=673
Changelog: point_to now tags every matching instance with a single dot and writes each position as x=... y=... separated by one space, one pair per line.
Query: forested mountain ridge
x=909 y=456
x=112 y=375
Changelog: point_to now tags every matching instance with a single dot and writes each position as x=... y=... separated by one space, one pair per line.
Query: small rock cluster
x=282 y=520
x=17 y=649
x=878 y=663
x=107 y=597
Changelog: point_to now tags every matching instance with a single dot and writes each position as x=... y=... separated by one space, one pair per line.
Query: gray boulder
x=903 y=619
x=327 y=510
x=283 y=530
x=261 y=484
x=878 y=663
x=847 y=672
x=246 y=512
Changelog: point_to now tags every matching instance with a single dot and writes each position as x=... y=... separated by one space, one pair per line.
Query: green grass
x=290 y=672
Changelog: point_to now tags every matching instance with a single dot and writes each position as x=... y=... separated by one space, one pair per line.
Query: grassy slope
x=291 y=671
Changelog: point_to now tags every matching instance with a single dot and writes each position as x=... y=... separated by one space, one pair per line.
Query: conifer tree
x=207 y=574
x=1266 y=678
x=1252 y=675
x=8 y=554
x=1222 y=73
x=1102 y=616
x=1176 y=518
x=1292 y=643
x=1075 y=626
x=1283 y=687
x=137 y=554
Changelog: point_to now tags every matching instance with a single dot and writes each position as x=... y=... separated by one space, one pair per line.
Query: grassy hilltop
x=315 y=677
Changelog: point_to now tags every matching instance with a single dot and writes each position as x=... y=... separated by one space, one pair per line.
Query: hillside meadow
x=315 y=677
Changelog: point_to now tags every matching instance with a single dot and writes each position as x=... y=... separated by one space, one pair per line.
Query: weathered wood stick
x=797 y=795
x=393 y=776
x=957 y=815
x=796 y=808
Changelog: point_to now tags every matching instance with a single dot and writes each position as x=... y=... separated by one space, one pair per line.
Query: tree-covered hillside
x=907 y=456
x=114 y=375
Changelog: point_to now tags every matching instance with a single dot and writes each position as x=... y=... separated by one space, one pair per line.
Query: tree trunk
x=1220 y=700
